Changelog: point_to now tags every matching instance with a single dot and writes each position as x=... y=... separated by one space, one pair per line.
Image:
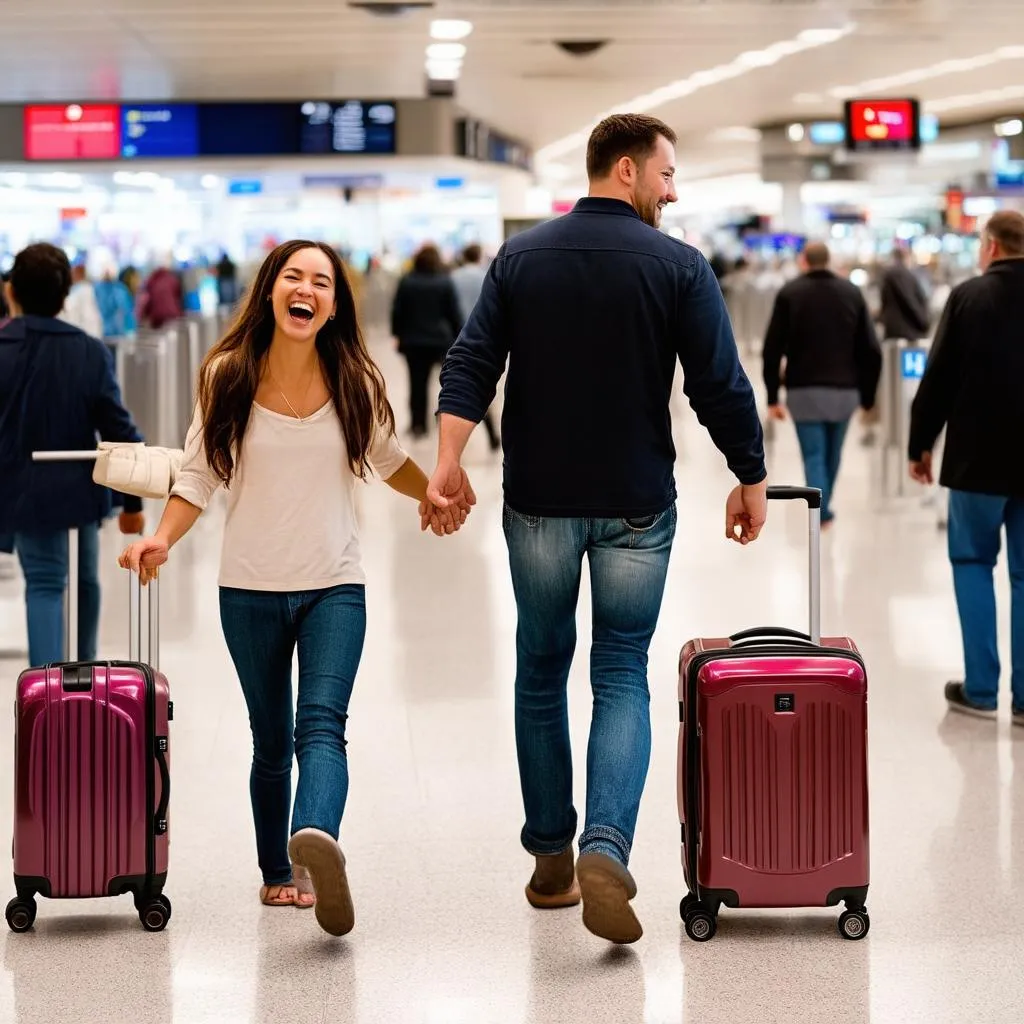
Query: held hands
x=922 y=471
x=777 y=412
x=746 y=510
x=144 y=557
x=450 y=498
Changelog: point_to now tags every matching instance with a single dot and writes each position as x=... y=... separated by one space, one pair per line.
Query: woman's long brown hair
x=231 y=372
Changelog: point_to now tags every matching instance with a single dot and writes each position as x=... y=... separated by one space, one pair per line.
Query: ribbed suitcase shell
x=781 y=815
x=88 y=781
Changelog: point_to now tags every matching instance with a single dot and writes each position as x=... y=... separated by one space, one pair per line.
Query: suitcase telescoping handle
x=812 y=495
x=134 y=585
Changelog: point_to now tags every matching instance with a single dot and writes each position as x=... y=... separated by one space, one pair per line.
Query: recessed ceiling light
x=450 y=29
x=795 y=132
x=1007 y=129
x=444 y=70
x=446 y=51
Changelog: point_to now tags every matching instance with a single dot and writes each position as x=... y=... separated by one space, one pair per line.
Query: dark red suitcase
x=772 y=770
x=92 y=776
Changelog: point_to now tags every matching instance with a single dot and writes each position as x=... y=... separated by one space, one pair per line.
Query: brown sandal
x=303 y=887
x=276 y=895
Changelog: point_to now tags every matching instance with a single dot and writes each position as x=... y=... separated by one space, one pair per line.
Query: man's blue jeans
x=975 y=525
x=628 y=565
x=44 y=564
x=262 y=630
x=821 y=445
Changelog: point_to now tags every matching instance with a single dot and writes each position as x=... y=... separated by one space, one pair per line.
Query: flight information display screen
x=347 y=126
x=73 y=131
x=159 y=130
x=882 y=125
x=248 y=129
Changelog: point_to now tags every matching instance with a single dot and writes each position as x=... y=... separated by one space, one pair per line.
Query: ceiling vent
x=386 y=9
x=581 y=47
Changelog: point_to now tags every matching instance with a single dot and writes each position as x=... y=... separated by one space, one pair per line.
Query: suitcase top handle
x=812 y=495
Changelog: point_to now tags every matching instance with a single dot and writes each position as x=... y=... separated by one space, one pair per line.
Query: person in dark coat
x=972 y=387
x=426 y=320
x=57 y=392
x=822 y=327
x=904 y=305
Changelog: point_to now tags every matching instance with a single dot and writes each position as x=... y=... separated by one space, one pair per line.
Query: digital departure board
x=73 y=131
x=159 y=130
x=882 y=125
x=248 y=129
x=347 y=126
x=150 y=130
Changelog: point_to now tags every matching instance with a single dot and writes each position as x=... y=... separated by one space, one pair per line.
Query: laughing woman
x=292 y=412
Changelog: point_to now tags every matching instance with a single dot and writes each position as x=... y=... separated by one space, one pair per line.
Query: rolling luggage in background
x=772 y=770
x=92 y=773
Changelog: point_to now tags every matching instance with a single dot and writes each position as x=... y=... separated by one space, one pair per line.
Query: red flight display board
x=75 y=131
x=882 y=124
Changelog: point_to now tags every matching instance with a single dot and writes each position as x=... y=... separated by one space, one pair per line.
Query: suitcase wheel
x=21 y=914
x=700 y=924
x=854 y=924
x=155 y=914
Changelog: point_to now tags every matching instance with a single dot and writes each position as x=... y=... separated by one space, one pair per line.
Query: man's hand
x=922 y=471
x=450 y=498
x=131 y=522
x=746 y=508
x=777 y=412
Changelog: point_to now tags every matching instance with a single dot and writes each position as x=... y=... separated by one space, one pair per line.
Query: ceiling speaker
x=580 y=47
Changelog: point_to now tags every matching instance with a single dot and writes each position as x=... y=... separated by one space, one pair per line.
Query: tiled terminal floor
x=444 y=935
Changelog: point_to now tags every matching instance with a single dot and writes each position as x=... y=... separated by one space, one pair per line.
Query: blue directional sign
x=913 y=362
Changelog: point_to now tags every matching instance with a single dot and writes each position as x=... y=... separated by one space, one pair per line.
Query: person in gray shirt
x=468 y=279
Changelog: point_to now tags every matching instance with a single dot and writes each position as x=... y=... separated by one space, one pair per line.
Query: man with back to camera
x=57 y=391
x=592 y=310
x=972 y=386
x=904 y=305
x=822 y=326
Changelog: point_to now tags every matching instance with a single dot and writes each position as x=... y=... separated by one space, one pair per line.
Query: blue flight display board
x=347 y=126
x=248 y=129
x=159 y=130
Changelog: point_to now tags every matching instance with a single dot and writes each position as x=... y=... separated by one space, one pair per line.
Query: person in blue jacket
x=57 y=392
x=117 y=307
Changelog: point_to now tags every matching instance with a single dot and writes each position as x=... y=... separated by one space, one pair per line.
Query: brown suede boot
x=607 y=888
x=554 y=882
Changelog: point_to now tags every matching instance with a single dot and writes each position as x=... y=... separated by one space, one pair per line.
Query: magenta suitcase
x=92 y=775
x=772 y=771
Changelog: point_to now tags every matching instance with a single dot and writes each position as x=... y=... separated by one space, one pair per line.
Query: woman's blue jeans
x=262 y=630
x=628 y=565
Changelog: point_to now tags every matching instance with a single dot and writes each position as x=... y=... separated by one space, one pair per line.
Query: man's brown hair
x=1007 y=228
x=632 y=135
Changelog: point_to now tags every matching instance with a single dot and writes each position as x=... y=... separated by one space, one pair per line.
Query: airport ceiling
x=711 y=68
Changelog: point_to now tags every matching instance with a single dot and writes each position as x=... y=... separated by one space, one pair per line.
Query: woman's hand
x=144 y=557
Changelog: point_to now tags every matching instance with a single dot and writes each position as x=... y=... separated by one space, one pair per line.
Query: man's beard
x=649 y=210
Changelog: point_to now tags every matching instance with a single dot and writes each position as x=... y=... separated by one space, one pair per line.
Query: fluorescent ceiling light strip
x=954 y=66
x=744 y=63
x=975 y=99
